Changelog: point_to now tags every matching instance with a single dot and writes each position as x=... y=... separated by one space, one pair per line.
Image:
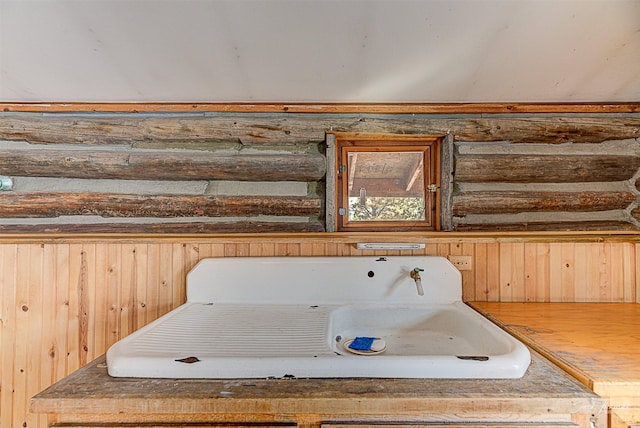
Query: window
x=386 y=182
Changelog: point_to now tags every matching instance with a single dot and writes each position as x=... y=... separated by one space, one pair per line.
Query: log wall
x=184 y=172
x=506 y=186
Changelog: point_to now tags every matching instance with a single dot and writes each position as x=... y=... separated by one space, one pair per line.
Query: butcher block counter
x=597 y=343
x=545 y=396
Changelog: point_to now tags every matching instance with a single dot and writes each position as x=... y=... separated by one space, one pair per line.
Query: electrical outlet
x=461 y=262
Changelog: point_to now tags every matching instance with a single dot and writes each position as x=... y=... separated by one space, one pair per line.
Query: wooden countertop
x=598 y=343
x=544 y=388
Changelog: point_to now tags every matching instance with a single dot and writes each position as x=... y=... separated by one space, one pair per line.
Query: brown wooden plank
x=515 y=202
x=544 y=168
x=296 y=128
x=18 y=205
x=384 y=108
x=162 y=165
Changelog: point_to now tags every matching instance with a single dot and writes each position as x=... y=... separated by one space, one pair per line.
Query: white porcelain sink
x=449 y=341
x=292 y=317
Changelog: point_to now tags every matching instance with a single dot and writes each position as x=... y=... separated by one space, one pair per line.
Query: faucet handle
x=415 y=273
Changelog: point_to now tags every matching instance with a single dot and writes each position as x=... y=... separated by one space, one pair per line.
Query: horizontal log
x=165 y=228
x=162 y=165
x=24 y=205
x=583 y=226
x=544 y=168
x=289 y=128
x=515 y=202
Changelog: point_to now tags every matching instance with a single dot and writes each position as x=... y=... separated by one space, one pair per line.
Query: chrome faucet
x=415 y=275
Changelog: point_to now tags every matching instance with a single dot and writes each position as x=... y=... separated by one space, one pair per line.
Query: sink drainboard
x=271 y=331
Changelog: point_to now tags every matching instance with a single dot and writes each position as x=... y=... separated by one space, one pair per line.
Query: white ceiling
x=320 y=50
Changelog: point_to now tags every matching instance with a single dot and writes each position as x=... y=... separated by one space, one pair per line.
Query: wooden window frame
x=343 y=143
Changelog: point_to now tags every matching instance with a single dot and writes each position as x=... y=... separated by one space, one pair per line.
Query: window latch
x=342 y=211
x=432 y=188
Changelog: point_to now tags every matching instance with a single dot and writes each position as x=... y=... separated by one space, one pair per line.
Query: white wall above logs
x=320 y=51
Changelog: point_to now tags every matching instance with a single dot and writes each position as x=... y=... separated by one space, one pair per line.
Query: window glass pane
x=386 y=186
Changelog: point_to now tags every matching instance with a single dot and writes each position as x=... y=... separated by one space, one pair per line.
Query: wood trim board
x=386 y=108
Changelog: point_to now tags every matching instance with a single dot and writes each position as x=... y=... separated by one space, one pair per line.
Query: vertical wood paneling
x=182 y=262
x=595 y=268
x=630 y=292
x=581 y=272
x=536 y=272
x=22 y=334
x=8 y=281
x=622 y=280
x=616 y=276
x=508 y=278
x=637 y=272
x=73 y=328
x=165 y=279
x=64 y=321
x=127 y=289
x=555 y=272
x=152 y=300
x=531 y=274
x=481 y=273
x=568 y=279
x=139 y=277
x=493 y=272
x=4 y=316
x=65 y=304
x=46 y=360
x=518 y=285
x=98 y=297
x=468 y=282
x=542 y=273
x=91 y=321
x=306 y=249
x=604 y=273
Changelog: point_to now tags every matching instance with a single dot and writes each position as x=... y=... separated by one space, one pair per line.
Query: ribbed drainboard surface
x=226 y=331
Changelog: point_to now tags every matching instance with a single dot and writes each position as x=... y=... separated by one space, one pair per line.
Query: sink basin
x=293 y=317
x=439 y=341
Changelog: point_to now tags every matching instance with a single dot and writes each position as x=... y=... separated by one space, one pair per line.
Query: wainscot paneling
x=63 y=304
